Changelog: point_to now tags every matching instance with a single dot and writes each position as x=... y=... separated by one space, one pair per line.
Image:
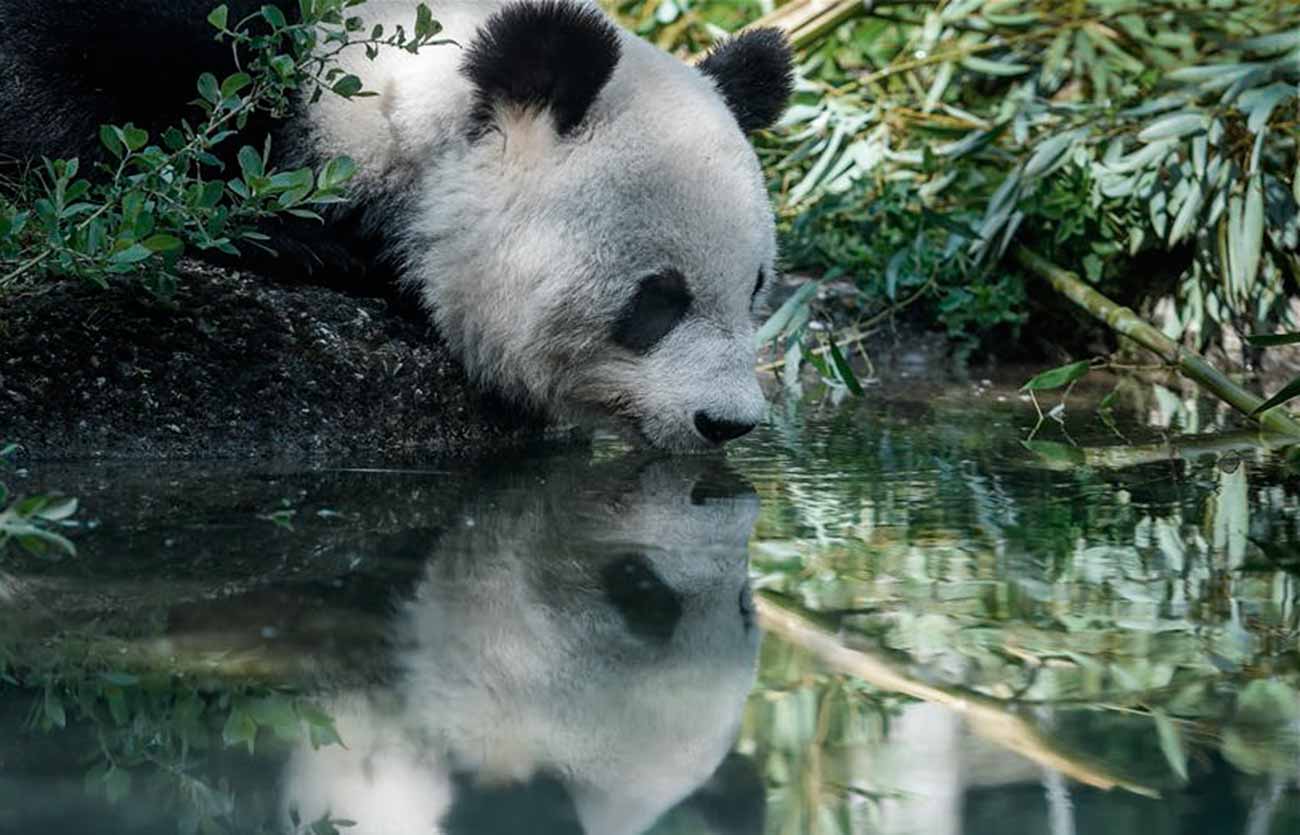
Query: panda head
x=612 y=231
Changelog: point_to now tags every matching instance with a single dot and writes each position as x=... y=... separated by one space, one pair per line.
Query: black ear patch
x=754 y=72
x=553 y=54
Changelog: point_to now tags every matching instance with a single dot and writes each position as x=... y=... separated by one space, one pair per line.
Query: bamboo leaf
x=1290 y=391
x=1174 y=126
x=1171 y=743
x=987 y=67
x=1268 y=340
x=1252 y=232
x=1260 y=103
x=1057 y=377
x=776 y=323
x=844 y=371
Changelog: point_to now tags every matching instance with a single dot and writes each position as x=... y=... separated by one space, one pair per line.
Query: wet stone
x=234 y=366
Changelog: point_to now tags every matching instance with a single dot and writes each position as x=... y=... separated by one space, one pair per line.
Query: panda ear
x=754 y=72
x=554 y=55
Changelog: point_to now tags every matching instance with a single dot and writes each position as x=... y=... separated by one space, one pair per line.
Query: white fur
x=515 y=663
x=526 y=245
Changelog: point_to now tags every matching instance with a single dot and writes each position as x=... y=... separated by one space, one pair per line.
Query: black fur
x=542 y=805
x=68 y=66
x=754 y=72
x=551 y=55
x=661 y=301
x=651 y=608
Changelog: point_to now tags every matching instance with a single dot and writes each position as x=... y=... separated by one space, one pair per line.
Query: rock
x=234 y=366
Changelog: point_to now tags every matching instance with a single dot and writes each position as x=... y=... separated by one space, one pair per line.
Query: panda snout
x=717 y=431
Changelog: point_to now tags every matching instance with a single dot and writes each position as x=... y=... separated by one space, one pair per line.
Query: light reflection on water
x=965 y=634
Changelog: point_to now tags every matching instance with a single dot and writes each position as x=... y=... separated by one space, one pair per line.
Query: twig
x=987 y=717
x=862 y=330
x=1125 y=322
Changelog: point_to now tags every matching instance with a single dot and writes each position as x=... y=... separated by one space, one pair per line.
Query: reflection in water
x=966 y=635
x=575 y=659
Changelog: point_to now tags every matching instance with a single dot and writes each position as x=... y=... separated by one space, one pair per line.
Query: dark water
x=883 y=616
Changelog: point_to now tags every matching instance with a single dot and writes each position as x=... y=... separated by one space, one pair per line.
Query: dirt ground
x=235 y=367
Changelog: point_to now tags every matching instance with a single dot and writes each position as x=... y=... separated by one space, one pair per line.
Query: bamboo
x=988 y=717
x=806 y=21
x=1125 y=322
x=1179 y=449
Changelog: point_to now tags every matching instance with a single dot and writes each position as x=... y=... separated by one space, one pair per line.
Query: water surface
x=900 y=614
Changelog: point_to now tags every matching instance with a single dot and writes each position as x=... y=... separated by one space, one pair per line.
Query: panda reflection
x=580 y=212
x=575 y=659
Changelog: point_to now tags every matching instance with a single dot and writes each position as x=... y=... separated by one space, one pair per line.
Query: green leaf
x=1057 y=377
x=1174 y=126
x=1171 y=743
x=274 y=16
x=1269 y=340
x=347 y=86
x=1054 y=452
x=987 y=67
x=776 y=323
x=1290 y=391
x=163 y=243
x=208 y=89
x=133 y=254
x=283 y=66
x=57 y=511
x=239 y=729
x=1049 y=151
x=55 y=715
x=218 y=16
x=117 y=784
x=250 y=163
x=844 y=371
x=116 y=699
x=425 y=26
x=110 y=138
x=335 y=173
x=234 y=83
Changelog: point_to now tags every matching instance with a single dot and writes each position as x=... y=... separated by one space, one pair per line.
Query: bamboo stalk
x=1179 y=449
x=1125 y=322
x=987 y=717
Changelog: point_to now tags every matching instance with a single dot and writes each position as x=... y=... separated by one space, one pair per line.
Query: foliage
x=157 y=195
x=1292 y=389
x=1101 y=602
x=30 y=522
x=147 y=731
x=925 y=138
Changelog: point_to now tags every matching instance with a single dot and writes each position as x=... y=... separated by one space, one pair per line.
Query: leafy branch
x=158 y=196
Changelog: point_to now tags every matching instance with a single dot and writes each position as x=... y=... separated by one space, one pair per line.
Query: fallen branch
x=1125 y=322
x=987 y=717
x=1178 y=449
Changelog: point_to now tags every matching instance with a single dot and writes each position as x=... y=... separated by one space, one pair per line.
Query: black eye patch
x=661 y=301
x=651 y=609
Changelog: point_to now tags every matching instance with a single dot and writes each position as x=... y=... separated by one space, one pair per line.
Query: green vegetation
x=1139 y=612
x=159 y=195
x=929 y=138
x=30 y=522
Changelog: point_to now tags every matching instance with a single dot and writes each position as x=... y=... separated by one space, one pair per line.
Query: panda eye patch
x=660 y=303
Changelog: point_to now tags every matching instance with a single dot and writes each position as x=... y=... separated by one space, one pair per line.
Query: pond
x=912 y=612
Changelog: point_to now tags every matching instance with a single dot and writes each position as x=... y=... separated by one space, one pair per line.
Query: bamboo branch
x=1179 y=449
x=987 y=717
x=1125 y=322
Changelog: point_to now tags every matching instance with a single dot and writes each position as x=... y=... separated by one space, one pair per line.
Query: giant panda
x=580 y=213
x=574 y=658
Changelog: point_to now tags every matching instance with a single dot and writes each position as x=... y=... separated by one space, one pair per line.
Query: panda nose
x=720 y=431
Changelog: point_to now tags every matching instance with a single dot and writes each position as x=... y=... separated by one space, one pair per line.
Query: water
x=881 y=616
